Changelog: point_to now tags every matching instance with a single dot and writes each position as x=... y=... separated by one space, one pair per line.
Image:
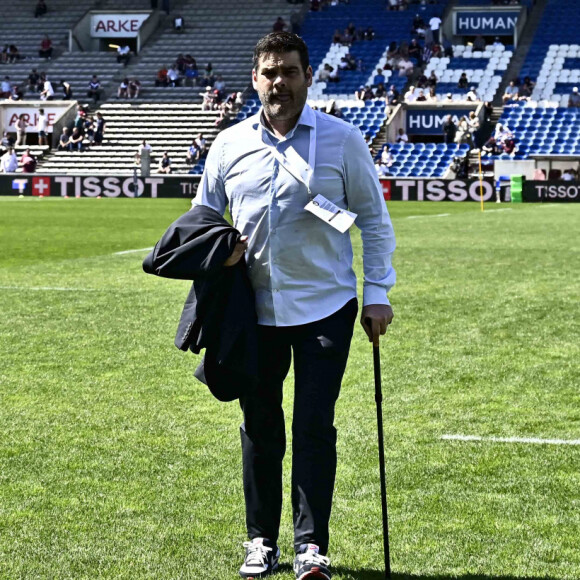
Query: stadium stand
x=166 y=127
x=553 y=60
x=388 y=26
x=208 y=37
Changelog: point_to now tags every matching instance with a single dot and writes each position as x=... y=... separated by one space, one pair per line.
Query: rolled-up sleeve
x=365 y=198
x=211 y=191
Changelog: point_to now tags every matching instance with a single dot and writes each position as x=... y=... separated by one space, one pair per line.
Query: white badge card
x=339 y=219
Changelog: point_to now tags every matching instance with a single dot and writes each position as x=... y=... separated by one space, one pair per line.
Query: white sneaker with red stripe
x=261 y=559
x=309 y=564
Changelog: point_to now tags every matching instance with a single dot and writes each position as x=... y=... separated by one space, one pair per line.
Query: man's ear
x=309 y=76
x=254 y=79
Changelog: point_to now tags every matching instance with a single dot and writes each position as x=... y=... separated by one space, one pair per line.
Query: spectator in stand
x=13 y=54
x=161 y=80
x=100 y=126
x=47 y=93
x=208 y=99
x=45 y=48
x=89 y=129
x=432 y=96
x=410 y=94
x=64 y=140
x=490 y=147
x=474 y=126
x=193 y=154
x=418 y=23
x=527 y=88
x=392 y=95
x=143 y=157
x=337 y=37
x=569 y=175
x=178 y=23
x=449 y=130
x=279 y=25
x=421 y=98
x=40 y=9
x=5 y=88
x=4 y=55
x=220 y=85
x=124 y=54
x=123 y=90
x=134 y=88
x=415 y=52
x=479 y=43
x=402 y=136
x=201 y=143
x=359 y=94
x=511 y=93
x=434 y=25
x=462 y=135
x=42 y=128
x=76 y=140
x=386 y=155
x=173 y=76
x=34 y=83
x=7 y=141
x=16 y=94
x=497 y=42
x=463 y=81
x=67 y=93
x=447 y=47
x=487 y=111
x=9 y=162
x=379 y=78
x=28 y=162
x=574 y=98
x=164 y=164
x=427 y=53
x=380 y=91
x=432 y=80
x=334 y=75
x=421 y=81
x=94 y=91
x=21 y=125
x=382 y=169
x=405 y=67
x=369 y=33
x=324 y=74
x=208 y=77
x=472 y=95
x=448 y=98
x=368 y=141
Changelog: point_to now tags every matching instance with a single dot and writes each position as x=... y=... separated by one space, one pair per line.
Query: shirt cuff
x=374 y=295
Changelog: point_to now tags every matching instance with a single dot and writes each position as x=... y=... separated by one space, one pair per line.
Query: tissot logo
x=439 y=190
x=41 y=186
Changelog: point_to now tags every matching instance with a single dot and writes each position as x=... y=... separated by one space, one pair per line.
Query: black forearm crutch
x=379 y=402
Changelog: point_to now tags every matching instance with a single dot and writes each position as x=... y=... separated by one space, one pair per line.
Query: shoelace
x=311 y=557
x=257 y=553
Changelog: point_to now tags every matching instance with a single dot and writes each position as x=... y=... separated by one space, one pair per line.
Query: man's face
x=282 y=84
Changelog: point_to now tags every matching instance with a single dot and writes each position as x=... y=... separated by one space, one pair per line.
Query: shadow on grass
x=380 y=575
x=339 y=571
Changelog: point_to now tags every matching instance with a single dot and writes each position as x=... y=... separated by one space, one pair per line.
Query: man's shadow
x=373 y=574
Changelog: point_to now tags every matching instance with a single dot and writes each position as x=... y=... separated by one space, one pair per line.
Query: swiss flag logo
x=386 y=189
x=41 y=186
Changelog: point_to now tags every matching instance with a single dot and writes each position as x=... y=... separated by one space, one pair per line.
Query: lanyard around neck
x=292 y=165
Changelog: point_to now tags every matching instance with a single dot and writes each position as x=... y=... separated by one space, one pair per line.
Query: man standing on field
x=295 y=179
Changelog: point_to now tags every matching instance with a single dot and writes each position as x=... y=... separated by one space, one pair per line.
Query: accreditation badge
x=339 y=219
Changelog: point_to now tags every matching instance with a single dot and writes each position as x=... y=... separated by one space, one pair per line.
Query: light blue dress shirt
x=301 y=267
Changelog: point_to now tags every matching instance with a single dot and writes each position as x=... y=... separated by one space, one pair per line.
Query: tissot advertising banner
x=436 y=189
x=116 y=25
x=551 y=191
x=430 y=121
x=98 y=186
x=488 y=23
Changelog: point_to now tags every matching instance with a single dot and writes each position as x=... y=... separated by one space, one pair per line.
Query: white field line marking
x=132 y=251
x=54 y=288
x=534 y=440
x=411 y=217
x=500 y=209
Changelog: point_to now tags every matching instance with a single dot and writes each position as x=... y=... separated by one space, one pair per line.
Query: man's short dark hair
x=281 y=42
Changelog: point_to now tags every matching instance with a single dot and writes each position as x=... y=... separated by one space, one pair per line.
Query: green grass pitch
x=115 y=463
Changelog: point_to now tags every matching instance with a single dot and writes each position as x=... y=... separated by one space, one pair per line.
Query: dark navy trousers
x=320 y=350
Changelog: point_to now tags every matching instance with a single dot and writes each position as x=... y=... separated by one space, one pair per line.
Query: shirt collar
x=307 y=118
